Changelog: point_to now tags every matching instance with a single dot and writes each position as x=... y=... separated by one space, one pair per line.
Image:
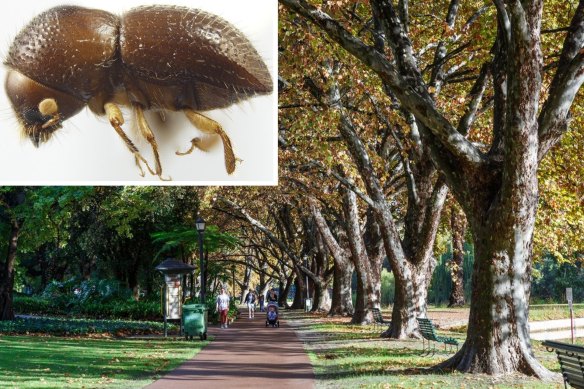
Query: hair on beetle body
x=151 y=58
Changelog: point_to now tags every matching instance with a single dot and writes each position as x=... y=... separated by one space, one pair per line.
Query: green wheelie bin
x=195 y=321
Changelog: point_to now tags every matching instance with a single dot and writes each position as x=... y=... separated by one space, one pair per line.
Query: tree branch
x=413 y=96
x=476 y=95
x=553 y=119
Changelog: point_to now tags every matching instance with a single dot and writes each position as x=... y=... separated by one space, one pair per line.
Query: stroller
x=272 y=316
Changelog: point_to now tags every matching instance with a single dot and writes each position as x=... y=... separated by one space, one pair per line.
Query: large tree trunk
x=7 y=274
x=498 y=339
x=502 y=212
x=322 y=298
x=285 y=291
x=458 y=226
x=321 y=274
x=342 y=300
x=366 y=257
x=300 y=293
x=368 y=294
x=410 y=302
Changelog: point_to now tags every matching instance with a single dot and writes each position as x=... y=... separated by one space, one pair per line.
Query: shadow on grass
x=60 y=362
x=337 y=363
x=346 y=355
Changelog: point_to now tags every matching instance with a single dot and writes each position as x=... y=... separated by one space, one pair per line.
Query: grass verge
x=348 y=356
x=54 y=362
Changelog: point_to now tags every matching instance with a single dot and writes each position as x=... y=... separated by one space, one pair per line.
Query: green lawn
x=553 y=312
x=55 y=362
x=348 y=356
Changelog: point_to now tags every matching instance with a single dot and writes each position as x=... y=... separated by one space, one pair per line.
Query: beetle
x=151 y=58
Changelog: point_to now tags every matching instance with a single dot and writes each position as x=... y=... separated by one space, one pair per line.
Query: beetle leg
x=204 y=143
x=211 y=127
x=147 y=133
x=116 y=119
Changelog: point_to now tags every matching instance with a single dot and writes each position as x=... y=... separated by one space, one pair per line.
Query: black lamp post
x=200 y=223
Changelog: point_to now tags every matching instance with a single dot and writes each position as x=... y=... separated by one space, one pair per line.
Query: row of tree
x=406 y=103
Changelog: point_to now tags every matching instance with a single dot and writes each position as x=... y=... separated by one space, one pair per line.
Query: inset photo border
x=88 y=151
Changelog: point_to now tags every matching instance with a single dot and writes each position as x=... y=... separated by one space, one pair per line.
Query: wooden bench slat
x=572 y=365
x=572 y=361
x=574 y=381
x=571 y=358
x=573 y=373
x=571 y=355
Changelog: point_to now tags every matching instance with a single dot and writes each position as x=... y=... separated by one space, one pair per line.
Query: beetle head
x=40 y=109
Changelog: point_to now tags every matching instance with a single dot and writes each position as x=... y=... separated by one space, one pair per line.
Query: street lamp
x=200 y=223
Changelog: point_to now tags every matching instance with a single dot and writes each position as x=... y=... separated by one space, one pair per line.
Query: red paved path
x=246 y=355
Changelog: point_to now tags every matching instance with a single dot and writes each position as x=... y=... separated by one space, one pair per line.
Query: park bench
x=571 y=360
x=429 y=333
x=378 y=318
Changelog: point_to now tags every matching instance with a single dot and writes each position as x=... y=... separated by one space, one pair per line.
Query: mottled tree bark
x=411 y=257
x=367 y=256
x=458 y=227
x=321 y=273
x=342 y=301
x=498 y=339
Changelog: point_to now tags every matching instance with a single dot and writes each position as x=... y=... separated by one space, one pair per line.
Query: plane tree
x=495 y=180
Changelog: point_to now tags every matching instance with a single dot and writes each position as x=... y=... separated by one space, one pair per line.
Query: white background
x=88 y=151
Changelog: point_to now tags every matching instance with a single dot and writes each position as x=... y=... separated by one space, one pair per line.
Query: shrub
x=116 y=309
x=121 y=309
x=75 y=327
x=34 y=305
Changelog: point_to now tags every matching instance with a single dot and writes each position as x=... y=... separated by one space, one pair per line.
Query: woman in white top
x=223 y=307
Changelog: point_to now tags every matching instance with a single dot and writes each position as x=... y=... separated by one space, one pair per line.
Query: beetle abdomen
x=175 y=46
x=67 y=48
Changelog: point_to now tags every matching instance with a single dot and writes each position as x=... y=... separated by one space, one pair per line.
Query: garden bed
x=79 y=327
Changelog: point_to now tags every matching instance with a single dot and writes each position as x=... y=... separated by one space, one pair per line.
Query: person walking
x=250 y=299
x=272 y=297
x=261 y=302
x=222 y=307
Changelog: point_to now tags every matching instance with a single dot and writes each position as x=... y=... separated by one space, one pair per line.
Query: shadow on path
x=245 y=355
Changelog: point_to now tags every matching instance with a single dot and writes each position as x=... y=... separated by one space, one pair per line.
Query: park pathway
x=245 y=355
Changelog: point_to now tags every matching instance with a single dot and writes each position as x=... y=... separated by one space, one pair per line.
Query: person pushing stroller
x=272 y=309
x=272 y=316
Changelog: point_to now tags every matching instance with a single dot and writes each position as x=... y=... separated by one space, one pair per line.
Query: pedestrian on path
x=222 y=307
x=250 y=299
x=262 y=302
x=272 y=297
